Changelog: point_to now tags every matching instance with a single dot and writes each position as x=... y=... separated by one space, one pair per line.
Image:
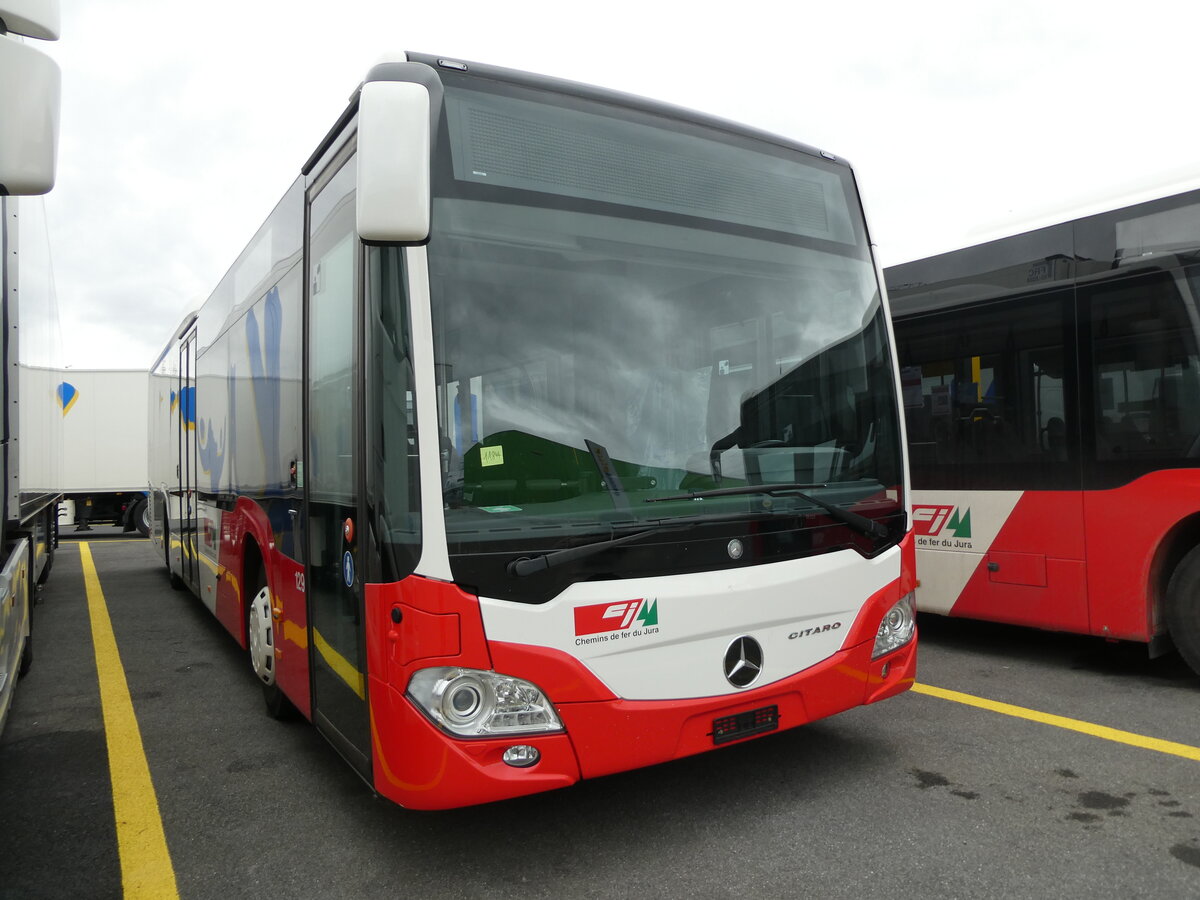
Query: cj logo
x=599 y=618
x=932 y=521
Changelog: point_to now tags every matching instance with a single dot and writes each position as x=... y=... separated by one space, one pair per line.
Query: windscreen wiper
x=853 y=519
x=529 y=565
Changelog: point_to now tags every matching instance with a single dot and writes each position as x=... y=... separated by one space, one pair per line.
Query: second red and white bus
x=1051 y=385
x=543 y=432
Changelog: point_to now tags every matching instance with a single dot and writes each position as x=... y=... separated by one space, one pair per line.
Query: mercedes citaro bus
x=543 y=432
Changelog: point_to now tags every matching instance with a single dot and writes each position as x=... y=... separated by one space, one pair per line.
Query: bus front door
x=332 y=476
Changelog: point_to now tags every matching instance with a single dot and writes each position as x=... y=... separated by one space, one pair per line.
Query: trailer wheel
x=141 y=517
x=51 y=543
x=260 y=638
x=1183 y=608
x=26 y=657
x=176 y=582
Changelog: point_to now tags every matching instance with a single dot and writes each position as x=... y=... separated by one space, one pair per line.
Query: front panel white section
x=942 y=577
x=698 y=615
x=946 y=556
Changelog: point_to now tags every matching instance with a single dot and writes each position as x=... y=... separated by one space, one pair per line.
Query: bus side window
x=992 y=405
x=1145 y=370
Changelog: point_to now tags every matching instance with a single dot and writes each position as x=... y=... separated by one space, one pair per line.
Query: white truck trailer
x=29 y=103
x=104 y=467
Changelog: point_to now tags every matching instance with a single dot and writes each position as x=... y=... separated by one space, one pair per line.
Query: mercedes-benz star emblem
x=743 y=662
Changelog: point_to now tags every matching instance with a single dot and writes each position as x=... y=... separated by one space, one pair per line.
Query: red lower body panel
x=419 y=767
x=419 y=622
x=618 y=735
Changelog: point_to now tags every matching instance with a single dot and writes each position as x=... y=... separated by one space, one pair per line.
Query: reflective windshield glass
x=630 y=310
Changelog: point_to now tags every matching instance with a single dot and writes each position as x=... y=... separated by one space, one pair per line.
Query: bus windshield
x=667 y=310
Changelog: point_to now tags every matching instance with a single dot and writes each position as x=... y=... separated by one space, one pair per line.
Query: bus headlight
x=474 y=703
x=897 y=627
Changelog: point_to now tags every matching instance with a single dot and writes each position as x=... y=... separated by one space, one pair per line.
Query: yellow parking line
x=146 y=869
x=1100 y=731
x=103 y=540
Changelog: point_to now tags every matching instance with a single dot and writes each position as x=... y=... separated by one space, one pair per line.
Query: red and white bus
x=1051 y=385
x=543 y=432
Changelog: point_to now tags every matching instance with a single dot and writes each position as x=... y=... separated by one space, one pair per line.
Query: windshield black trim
x=475 y=72
x=862 y=523
x=675 y=547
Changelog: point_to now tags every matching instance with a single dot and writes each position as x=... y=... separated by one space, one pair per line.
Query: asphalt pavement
x=919 y=796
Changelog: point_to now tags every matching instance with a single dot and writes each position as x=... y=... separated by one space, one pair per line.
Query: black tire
x=260 y=645
x=176 y=581
x=46 y=567
x=51 y=544
x=1183 y=608
x=141 y=517
x=26 y=657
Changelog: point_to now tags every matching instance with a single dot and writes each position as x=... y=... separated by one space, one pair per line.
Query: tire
x=26 y=657
x=51 y=541
x=49 y=564
x=141 y=517
x=1183 y=608
x=176 y=582
x=260 y=642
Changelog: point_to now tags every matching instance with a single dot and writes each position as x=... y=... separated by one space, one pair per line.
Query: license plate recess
x=743 y=725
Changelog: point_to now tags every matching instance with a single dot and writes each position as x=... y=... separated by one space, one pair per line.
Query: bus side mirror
x=394 y=137
x=29 y=106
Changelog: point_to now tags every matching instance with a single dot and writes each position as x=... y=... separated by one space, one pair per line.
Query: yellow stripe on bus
x=146 y=869
x=295 y=633
x=1100 y=731
x=340 y=665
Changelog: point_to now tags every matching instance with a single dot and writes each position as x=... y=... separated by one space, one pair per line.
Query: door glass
x=187 y=463
x=334 y=583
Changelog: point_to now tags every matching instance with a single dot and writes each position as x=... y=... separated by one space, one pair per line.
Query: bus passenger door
x=187 y=459
x=332 y=470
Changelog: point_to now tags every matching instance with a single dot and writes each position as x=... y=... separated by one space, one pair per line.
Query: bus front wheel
x=1183 y=608
x=260 y=637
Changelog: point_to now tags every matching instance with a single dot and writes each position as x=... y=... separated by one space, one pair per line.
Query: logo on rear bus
x=942 y=527
x=602 y=622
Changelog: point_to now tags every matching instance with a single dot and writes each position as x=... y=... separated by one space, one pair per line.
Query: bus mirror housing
x=29 y=111
x=394 y=135
x=32 y=18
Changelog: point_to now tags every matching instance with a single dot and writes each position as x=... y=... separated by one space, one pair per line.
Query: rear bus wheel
x=260 y=636
x=1183 y=608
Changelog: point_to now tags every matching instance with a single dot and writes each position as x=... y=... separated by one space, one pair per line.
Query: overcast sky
x=183 y=123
